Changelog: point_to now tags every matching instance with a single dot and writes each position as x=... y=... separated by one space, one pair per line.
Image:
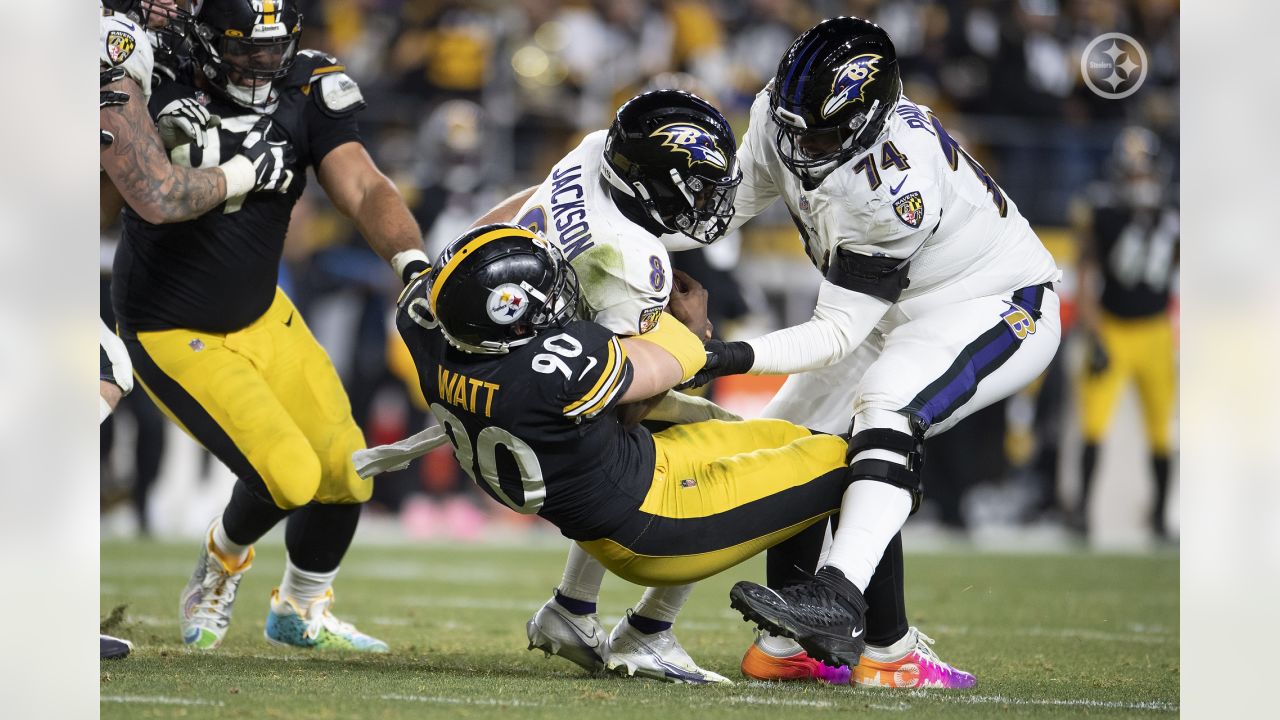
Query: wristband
x=408 y=263
x=240 y=176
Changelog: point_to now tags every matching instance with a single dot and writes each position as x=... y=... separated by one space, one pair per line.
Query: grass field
x=1048 y=636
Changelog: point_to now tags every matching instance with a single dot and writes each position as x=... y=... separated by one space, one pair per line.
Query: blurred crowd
x=470 y=100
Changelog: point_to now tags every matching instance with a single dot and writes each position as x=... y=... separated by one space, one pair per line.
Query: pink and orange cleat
x=909 y=663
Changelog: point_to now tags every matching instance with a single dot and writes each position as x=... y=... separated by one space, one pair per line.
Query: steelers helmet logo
x=507 y=303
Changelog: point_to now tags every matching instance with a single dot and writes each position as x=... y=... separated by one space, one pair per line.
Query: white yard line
x=1154 y=705
x=447 y=700
x=158 y=700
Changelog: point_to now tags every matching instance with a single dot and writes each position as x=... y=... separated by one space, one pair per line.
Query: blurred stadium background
x=470 y=100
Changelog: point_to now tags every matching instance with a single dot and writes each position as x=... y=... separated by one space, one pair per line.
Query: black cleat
x=825 y=614
x=111 y=648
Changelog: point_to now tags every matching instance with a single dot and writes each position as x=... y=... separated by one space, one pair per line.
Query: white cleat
x=579 y=639
x=657 y=656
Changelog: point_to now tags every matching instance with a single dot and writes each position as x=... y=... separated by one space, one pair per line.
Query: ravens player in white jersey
x=222 y=350
x=530 y=398
x=937 y=301
x=665 y=166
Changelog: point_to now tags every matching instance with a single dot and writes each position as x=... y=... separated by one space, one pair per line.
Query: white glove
x=185 y=121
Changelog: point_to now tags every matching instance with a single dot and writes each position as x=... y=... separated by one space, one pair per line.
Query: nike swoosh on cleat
x=857 y=632
x=894 y=190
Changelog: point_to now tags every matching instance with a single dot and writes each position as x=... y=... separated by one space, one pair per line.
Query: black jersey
x=1138 y=252
x=218 y=272
x=536 y=427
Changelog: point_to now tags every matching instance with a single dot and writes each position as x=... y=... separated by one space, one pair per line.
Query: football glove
x=185 y=121
x=110 y=97
x=723 y=358
x=1099 y=361
x=270 y=158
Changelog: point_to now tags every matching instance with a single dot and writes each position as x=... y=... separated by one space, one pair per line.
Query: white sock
x=227 y=549
x=895 y=651
x=303 y=586
x=777 y=646
x=583 y=575
x=663 y=603
x=870 y=515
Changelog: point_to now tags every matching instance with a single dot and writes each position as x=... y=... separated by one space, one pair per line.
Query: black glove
x=271 y=158
x=413 y=269
x=110 y=97
x=723 y=358
x=1098 y=359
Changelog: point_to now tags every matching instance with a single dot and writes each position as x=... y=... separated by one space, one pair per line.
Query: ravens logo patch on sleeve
x=120 y=46
x=910 y=209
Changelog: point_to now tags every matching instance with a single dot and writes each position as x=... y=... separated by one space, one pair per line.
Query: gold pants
x=1138 y=350
x=723 y=492
x=266 y=400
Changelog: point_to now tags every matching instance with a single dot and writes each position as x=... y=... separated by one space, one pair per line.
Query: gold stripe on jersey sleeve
x=606 y=374
x=327 y=69
x=614 y=387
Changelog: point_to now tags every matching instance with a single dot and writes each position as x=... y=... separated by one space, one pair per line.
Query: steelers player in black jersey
x=529 y=397
x=222 y=350
x=1128 y=230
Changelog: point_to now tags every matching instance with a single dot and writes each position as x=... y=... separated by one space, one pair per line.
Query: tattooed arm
x=140 y=170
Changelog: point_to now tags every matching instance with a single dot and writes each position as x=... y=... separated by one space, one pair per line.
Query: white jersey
x=915 y=193
x=624 y=271
x=123 y=42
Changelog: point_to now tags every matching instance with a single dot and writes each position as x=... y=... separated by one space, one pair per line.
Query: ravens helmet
x=498 y=286
x=832 y=95
x=671 y=158
x=244 y=47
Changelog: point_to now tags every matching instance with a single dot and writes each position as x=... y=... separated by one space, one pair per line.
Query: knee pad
x=906 y=476
x=292 y=474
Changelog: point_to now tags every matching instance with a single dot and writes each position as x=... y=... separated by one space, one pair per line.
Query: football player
x=136 y=170
x=530 y=399
x=666 y=165
x=1128 y=231
x=937 y=301
x=222 y=350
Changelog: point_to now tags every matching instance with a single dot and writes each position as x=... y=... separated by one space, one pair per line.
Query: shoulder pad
x=325 y=77
x=311 y=65
x=122 y=43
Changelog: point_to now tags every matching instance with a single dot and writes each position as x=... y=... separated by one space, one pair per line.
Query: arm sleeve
x=758 y=190
x=598 y=375
x=841 y=321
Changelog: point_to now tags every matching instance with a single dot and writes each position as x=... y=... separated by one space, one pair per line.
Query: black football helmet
x=498 y=286
x=673 y=158
x=832 y=95
x=244 y=47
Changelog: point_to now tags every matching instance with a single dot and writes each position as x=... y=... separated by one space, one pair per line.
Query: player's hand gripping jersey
x=534 y=427
x=624 y=270
x=913 y=194
x=218 y=272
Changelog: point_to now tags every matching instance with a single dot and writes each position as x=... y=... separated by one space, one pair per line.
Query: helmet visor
x=253 y=65
x=710 y=204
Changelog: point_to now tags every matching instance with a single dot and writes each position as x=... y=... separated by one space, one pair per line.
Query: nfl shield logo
x=910 y=209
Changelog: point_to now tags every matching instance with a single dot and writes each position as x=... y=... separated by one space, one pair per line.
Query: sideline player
x=665 y=166
x=530 y=399
x=222 y=350
x=1128 y=235
x=937 y=301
